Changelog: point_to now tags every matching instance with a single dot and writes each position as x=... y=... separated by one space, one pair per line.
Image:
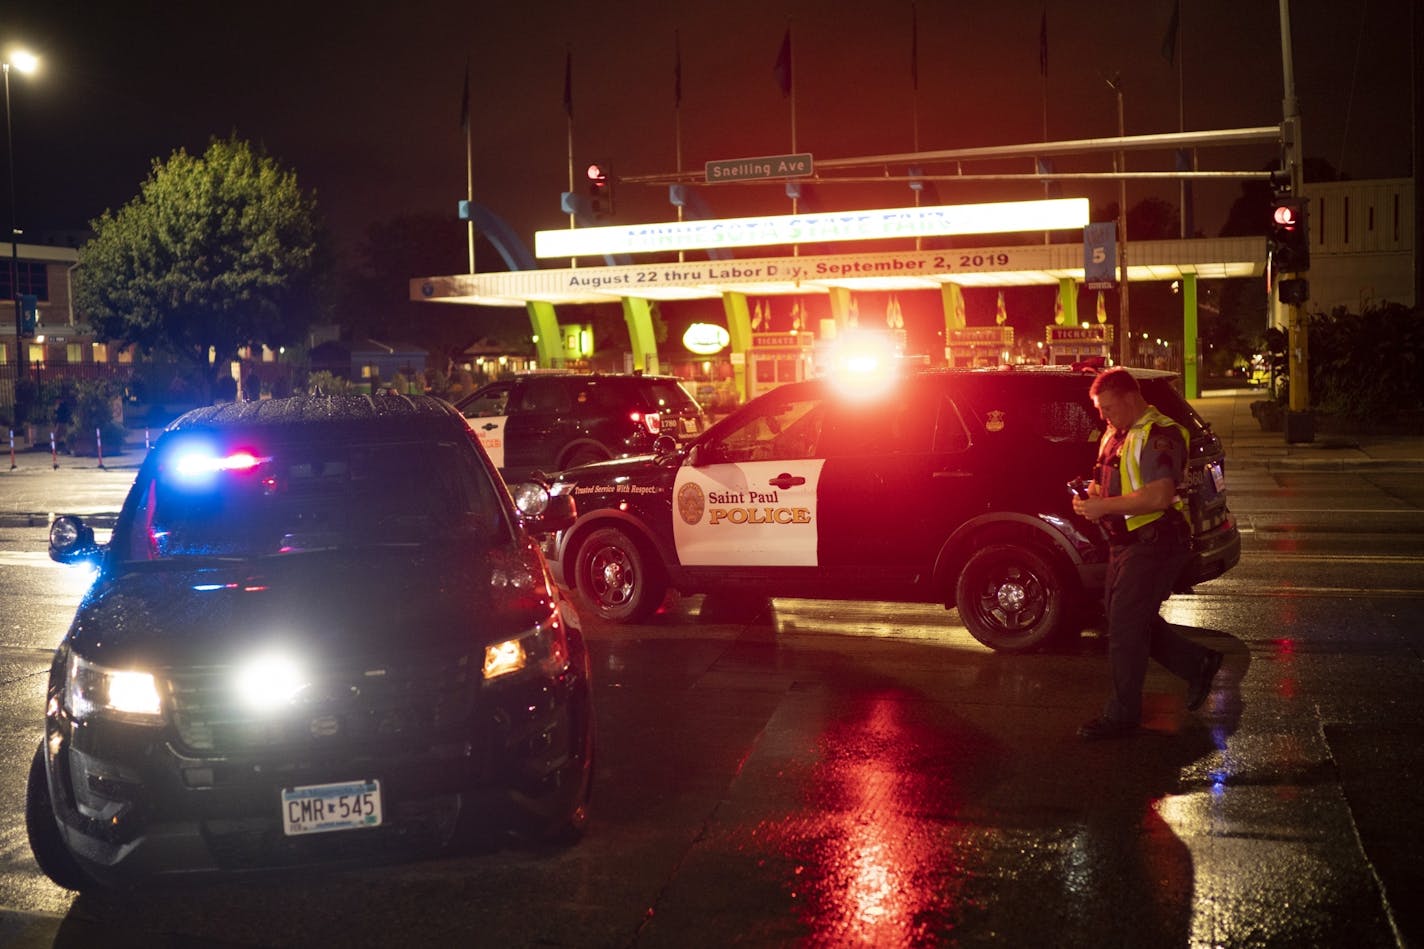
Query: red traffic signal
x=600 y=188
x=1290 y=237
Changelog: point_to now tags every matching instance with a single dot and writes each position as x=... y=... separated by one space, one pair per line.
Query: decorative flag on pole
x=676 y=71
x=1058 y=315
x=569 y=84
x=1043 y=44
x=465 y=101
x=782 y=69
x=1001 y=315
x=1102 y=308
x=914 y=47
x=1169 y=40
x=853 y=314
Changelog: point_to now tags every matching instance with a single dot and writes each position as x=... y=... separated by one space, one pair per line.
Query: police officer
x=1141 y=460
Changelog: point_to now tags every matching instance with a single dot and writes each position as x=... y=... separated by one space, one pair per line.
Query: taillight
x=652 y=421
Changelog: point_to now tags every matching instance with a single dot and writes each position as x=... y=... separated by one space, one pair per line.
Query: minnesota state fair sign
x=706 y=339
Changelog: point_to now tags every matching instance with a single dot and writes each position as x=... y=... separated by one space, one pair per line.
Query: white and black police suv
x=944 y=486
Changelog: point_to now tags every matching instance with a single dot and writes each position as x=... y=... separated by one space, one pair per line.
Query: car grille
x=371 y=704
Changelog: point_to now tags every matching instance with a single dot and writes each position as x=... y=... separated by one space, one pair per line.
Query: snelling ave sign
x=769 y=166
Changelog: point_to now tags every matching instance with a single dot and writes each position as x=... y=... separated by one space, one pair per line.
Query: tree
x=215 y=253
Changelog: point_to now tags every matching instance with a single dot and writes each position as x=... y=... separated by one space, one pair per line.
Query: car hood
x=602 y=471
x=341 y=603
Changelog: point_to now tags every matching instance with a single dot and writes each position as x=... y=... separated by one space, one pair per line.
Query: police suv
x=941 y=485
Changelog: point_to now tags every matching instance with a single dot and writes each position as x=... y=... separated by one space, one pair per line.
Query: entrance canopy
x=1017 y=265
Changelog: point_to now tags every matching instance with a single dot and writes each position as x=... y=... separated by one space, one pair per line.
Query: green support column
x=739 y=328
x=1068 y=293
x=548 y=347
x=1190 y=385
x=638 y=314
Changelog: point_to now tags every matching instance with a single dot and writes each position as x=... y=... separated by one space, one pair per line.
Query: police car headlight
x=530 y=498
x=92 y=690
x=544 y=648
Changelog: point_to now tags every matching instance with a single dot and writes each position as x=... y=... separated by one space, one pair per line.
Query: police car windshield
x=206 y=501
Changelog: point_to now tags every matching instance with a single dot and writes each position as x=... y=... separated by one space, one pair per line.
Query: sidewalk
x=1229 y=412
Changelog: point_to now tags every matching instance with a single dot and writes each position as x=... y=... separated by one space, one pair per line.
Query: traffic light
x=1290 y=236
x=1294 y=291
x=600 y=189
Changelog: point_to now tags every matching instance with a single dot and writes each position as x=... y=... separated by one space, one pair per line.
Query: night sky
x=363 y=99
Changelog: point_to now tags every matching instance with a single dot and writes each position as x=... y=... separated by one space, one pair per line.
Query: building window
x=34 y=278
x=101 y=352
x=73 y=352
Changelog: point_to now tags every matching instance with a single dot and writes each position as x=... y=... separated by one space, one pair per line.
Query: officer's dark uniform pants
x=1139 y=580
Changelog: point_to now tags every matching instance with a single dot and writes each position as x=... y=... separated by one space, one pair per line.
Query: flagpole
x=677 y=119
x=791 y=61
x=469 y=169
x=569 y=114
x=915 y=95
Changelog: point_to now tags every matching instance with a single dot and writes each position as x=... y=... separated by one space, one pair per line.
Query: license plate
x=689 y=426
x=1218 y=477
x=318 y=808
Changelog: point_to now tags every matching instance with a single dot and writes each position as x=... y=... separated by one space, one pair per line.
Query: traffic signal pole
x=1294 y=155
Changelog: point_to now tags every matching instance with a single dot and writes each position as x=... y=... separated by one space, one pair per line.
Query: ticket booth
x=979 y=346
x=775 y=358
x=1069 y=344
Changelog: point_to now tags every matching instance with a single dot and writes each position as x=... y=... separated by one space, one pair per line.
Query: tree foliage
x=216 y=252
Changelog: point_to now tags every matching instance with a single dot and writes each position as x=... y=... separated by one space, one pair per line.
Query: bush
x=326 y=383
x=1367 y=366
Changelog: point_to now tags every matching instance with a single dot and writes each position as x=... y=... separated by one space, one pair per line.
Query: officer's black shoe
x=1101 y=729
x=1200 y=685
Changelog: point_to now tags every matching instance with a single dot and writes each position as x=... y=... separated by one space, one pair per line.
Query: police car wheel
x=615 y=579
x=1011 y=598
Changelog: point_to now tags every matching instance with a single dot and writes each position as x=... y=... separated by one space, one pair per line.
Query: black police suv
x=943 y=486
x=547 y=421
x=319 y=632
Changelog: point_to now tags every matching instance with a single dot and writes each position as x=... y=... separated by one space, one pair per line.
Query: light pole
x=25 y=63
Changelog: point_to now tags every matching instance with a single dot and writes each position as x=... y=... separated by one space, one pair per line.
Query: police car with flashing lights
x=938 y=486
x=320 y=633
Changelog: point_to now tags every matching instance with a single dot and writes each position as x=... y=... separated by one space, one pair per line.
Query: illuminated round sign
x=704 y=339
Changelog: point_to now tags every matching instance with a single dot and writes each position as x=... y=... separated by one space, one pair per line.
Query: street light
x=26 y=63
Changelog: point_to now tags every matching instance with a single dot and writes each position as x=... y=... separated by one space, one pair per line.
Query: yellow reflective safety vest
x=1130 y=470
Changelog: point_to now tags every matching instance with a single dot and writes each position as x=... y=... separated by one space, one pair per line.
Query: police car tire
x=1011 y=598
x=615 y=579
x=42 y=829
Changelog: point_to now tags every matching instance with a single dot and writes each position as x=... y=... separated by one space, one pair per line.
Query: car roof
x=314 y=413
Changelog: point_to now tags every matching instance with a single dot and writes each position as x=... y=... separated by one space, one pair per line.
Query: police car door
x=485 y=413
x=747 y=499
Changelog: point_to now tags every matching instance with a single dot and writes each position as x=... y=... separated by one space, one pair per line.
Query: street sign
x=751 y=169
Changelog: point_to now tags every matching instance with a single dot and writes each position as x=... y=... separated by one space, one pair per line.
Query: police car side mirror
x=72 y=541
x=702 y=455
x=664 y=445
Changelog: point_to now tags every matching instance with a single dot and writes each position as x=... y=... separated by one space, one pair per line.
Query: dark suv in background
x=946 y=486
x=547 y=421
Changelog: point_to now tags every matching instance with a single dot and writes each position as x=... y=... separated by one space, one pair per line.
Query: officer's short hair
x=1116 y=379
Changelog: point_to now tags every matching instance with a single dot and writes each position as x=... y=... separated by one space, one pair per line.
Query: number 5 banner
x=1099 y=255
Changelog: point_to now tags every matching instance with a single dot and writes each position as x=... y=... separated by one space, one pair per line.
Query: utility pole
x=1298 y=424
